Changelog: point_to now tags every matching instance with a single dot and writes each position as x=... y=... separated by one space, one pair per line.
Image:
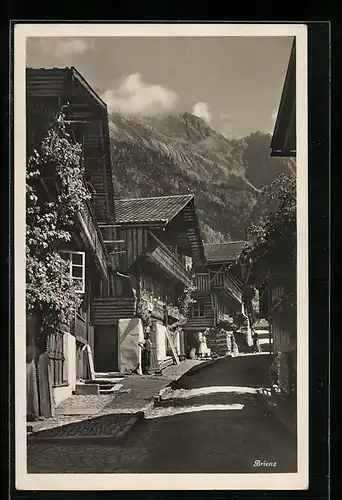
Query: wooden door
x=106 y=348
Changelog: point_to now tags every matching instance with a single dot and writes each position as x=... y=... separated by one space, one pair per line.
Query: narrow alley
x=213 y=421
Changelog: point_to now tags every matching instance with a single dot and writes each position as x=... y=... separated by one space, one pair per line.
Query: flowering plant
x=50 y=294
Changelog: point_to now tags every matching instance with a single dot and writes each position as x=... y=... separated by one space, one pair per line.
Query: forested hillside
x=181 y=154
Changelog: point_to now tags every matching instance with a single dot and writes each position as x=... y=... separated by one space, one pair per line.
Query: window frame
x=197 y=307
x=70 y=253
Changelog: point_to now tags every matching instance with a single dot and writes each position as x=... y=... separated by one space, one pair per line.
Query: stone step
x=102 y=381
x=107 y=389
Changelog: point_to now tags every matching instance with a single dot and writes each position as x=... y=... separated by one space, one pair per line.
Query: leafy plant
x=145 y=308
x=184 y=302
x=50 y=294
x=271 y=241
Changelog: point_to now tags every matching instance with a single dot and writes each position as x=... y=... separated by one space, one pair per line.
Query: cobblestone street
x=213 y=421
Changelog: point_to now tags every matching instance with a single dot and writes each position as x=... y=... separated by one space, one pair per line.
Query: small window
x=76 y=262
x=198 y=310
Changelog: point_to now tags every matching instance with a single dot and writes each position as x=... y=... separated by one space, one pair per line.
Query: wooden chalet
x=219 y=288
x=48 y=92
x=160 y=242
x=277 y=271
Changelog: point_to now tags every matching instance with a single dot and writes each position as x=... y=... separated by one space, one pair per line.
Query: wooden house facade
x=159 y=243
x=50 y=92
x=282 y=272
x=219 y=288
x=278 y=270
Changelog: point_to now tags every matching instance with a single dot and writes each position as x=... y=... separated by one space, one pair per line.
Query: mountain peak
x=176 y=154
x=195 y=120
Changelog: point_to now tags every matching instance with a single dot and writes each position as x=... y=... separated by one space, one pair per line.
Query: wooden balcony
x=202 y=282
x=85 y=218
x=107 y=310
x=160 y=308
x=225 y=283
x=93 y=236
x=169 y=262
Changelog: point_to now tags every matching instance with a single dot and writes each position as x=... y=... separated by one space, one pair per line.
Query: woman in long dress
x=202 y=348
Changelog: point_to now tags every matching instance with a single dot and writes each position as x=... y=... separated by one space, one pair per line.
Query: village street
x=212 y=422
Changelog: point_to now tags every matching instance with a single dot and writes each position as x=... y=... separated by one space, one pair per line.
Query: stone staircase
x=101 y=384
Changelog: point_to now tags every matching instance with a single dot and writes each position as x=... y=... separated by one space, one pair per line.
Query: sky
x=233 y=83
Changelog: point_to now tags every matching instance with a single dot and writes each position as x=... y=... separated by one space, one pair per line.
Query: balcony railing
x=159 y=307
x=202 y=282
x=169 y=262
x=233 y=288
x=85 y=218
x=224 y=281
x=92 y=233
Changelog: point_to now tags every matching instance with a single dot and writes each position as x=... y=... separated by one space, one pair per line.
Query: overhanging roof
x=177 y=212
x=158 y=210
x=60 y=82
x=84 y=106
x=284 y=136
x=227 y=252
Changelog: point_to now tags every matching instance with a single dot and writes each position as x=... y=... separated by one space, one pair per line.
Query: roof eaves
x=159 y=223
x=86 y=85
x=157 y=197
x=285 y=105
x=186 y=202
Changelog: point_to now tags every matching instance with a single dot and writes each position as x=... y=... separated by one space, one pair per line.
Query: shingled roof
x=223 y=252
x=159 y=209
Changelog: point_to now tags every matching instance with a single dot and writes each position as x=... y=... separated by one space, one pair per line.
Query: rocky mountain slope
x=154 y=156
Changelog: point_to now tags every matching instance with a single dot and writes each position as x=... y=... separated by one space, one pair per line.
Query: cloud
x=225 y=116
x=63 y=47
x=228 y=130
x=201 y=109
x=134 y=96
x=227 y=126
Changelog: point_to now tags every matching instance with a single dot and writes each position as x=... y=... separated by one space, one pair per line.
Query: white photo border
x=256 y=481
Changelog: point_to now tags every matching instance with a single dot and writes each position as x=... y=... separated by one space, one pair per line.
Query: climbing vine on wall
x=184 y=302
x=50 y=294
x=145 y=308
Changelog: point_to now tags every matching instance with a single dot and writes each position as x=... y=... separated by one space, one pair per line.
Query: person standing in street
x=146 y=346
x=256 y=343
x=202 y=349
x=234 y=346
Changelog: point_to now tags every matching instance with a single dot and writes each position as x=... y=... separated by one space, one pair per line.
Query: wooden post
x=46 y=402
